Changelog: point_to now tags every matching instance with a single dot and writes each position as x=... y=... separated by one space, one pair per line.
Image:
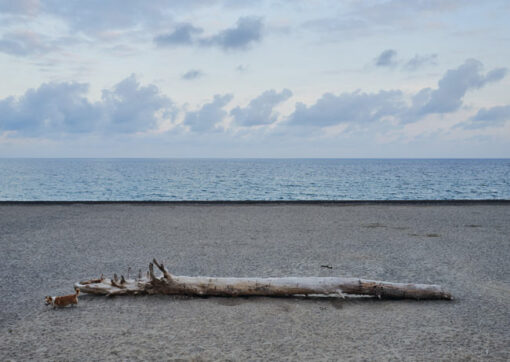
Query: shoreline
x=460 y=202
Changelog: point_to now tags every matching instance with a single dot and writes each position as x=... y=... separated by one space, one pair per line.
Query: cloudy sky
x=232 y=78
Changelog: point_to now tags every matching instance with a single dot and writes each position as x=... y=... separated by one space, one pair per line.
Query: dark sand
x=466 y=248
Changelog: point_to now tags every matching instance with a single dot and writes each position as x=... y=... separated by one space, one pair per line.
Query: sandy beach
x=465 y=247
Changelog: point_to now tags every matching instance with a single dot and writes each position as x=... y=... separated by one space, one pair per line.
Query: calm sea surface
x=253 y=179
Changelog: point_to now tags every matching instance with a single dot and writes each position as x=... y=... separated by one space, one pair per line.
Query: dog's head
x=48 y=300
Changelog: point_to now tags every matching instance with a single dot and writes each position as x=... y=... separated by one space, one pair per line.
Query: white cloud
x=63 y=108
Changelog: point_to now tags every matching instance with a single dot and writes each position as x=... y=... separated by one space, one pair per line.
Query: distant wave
x=253 y=179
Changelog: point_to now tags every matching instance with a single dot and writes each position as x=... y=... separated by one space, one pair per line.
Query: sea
x=69 y=179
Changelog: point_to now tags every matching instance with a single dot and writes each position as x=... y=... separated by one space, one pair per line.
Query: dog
x=63 y=301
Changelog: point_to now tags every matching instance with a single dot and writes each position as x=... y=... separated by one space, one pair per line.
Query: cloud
x=183 y=34
x=192 y=74
x=488 y=117
x=130 y=107
x=355 y=108
x=89 y=22
x=452 y=87
x=60 y=108
x=359 y=107
x=387 y=58
x=419 y=61
x=51 y=108
x=209 y=115
x=260 y=110
x=25 y=43
x=247 y=31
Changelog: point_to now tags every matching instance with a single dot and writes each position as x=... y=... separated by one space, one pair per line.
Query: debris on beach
x=275 y=287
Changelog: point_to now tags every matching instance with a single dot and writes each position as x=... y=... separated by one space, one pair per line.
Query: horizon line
x=254 y=158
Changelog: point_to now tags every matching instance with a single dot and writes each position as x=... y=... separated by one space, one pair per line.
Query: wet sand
x=45 y=248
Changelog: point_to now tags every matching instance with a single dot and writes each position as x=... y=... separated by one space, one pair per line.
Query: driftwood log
x=274 y=287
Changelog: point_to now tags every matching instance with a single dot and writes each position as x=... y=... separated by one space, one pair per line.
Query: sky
x=281 y=78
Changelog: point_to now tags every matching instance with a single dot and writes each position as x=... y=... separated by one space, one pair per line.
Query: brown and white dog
x=64 y=300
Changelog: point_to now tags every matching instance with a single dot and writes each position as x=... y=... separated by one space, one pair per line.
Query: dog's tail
x=77 y=291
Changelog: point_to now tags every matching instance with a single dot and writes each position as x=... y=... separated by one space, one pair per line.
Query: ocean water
x=254 y=179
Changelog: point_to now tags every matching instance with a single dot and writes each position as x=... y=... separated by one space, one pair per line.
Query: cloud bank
x=128 y=107
x=358 y=107
x=60 y=108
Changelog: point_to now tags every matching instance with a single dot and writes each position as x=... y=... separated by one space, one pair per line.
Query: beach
x=463 y=246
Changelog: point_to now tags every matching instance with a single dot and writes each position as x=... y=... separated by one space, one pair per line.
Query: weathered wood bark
x=276 y=287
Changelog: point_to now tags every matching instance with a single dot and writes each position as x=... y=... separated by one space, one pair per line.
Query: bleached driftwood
x=275 y=287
